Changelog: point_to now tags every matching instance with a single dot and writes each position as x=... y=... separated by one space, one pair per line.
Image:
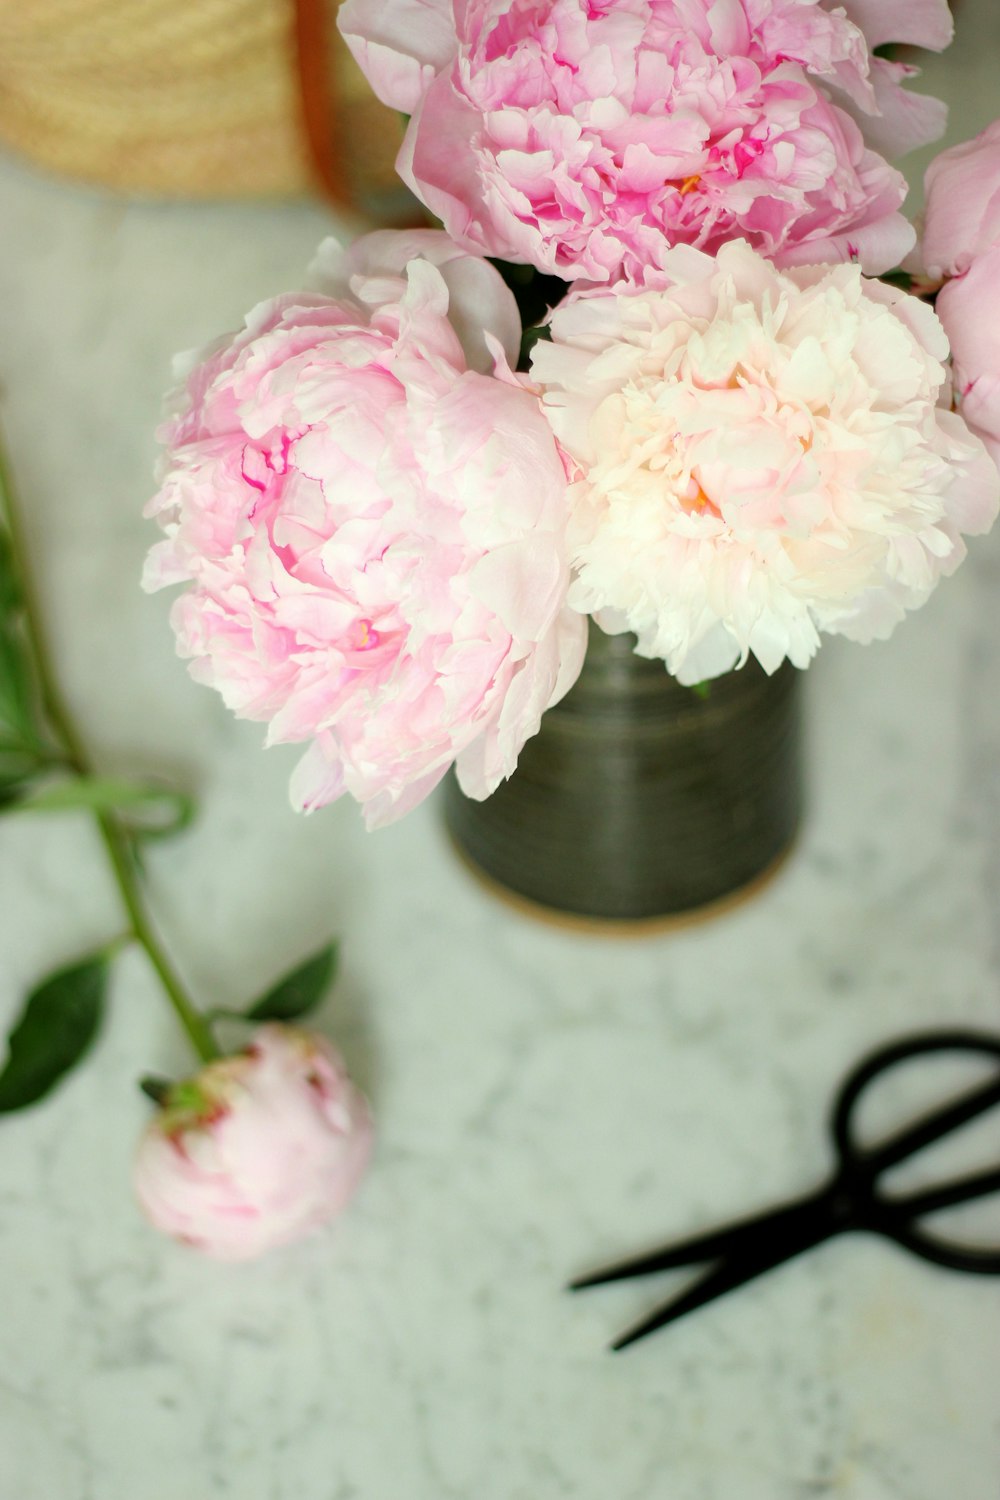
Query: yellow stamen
x=700 y=502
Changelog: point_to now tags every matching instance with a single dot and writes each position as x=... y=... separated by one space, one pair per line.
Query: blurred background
x=199 y=99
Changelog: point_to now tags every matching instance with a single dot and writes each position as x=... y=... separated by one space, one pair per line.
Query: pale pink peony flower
x=961 y=240
x=258 y=1149
x=373 y=527
x=962 y=205
x=969 y=309
x=761 y=458
x=586 y=139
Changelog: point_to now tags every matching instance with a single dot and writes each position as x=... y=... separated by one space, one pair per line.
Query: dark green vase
x=639 y=798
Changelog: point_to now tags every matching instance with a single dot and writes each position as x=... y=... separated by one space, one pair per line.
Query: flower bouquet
x=646 y=375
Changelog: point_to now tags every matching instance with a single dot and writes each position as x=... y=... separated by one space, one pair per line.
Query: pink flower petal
x=921 y=23
x=399 y=47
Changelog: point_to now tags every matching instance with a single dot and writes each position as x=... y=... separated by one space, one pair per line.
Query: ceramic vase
x=642 y=801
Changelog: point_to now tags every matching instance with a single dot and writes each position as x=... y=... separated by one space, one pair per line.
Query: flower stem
x=194 y=1023
x=114 y=837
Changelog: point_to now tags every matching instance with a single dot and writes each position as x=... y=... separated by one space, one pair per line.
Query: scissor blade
x=704 y=1247
x=725 y=1278
x=740 y=1237
x=733 y=1272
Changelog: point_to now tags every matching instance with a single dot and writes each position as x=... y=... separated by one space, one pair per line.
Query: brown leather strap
x=318 y=98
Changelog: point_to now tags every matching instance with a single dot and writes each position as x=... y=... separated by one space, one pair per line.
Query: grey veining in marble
x=544 y=1100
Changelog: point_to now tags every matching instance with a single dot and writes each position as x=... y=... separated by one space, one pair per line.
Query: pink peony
x=586 y=139
x=257 y=1150
x=370 y=510
x=969 y=309
x=962 y=212
x=961 y=239
x=761 y=457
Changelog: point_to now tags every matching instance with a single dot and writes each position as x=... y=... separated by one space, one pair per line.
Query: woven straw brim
x=174 y=97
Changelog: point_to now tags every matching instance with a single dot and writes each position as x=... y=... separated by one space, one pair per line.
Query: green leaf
x=529 y=338
x=13 y=789
x=10 y=592
x=535 y=292
x=155 y=1088
x=300 y=991
x=901 y=279
x=20 y=769
x=17 y=699
x=59 y=1022
x=153 y=811
x=17 y=758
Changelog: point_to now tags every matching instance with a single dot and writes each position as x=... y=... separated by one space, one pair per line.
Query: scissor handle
x=862 y=1165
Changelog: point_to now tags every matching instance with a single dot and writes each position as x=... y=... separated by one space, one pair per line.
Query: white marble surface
x=544 y=1100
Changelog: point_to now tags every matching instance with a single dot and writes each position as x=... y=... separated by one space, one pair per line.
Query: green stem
x=193 y=1022
x=55 y=708
x=115 y=840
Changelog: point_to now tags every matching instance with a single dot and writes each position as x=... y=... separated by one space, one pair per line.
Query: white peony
x=761 y=457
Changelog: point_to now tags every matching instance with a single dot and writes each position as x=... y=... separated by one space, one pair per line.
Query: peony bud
x=257 y=1149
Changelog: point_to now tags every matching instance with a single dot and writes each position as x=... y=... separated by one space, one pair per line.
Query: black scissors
x=850 y=1200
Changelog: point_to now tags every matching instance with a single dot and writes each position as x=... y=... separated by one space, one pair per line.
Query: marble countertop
x=544 y=1099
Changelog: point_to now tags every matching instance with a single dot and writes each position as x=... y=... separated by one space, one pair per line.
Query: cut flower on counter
x=257 y=1149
